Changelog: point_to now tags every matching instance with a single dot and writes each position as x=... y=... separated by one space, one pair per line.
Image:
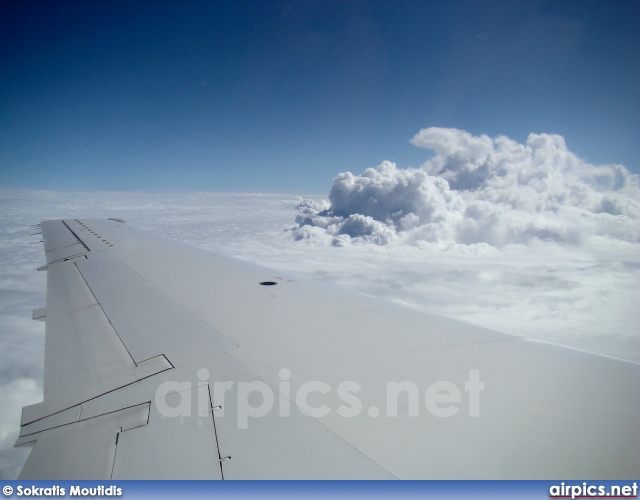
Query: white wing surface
x=167 y=361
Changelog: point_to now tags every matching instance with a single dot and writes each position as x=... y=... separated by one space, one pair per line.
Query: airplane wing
x=168 y=361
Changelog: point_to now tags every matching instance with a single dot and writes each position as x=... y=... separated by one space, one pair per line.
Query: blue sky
x=282 y=96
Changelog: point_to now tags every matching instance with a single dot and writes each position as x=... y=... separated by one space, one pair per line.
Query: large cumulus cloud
x=378 y=204
x=478 y=189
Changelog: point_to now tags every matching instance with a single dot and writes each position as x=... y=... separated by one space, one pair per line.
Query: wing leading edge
x=167 y=361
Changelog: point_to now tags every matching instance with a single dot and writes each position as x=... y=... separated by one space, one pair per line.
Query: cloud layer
x=478 y=190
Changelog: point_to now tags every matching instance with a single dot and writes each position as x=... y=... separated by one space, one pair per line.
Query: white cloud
x=381 y=202
x=541 y=175
x=482 y=190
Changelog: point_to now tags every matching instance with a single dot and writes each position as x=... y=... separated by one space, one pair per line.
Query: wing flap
x=84 y=449
x=84 y=357
x=59 y=419
x=32 y=413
